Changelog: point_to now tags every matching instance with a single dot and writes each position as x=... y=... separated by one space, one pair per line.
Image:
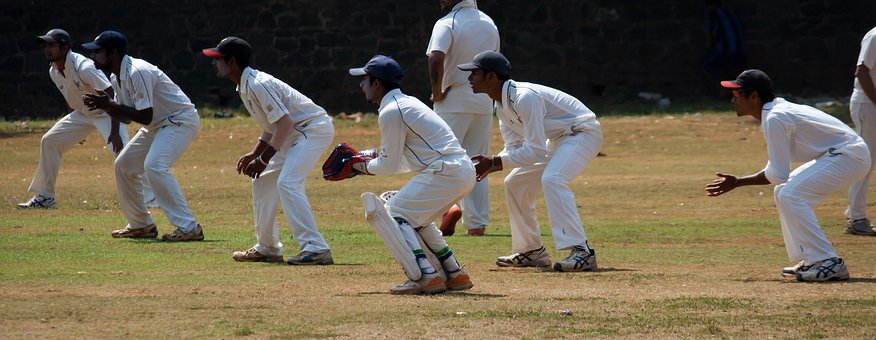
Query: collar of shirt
x=769 y=106
x=388 y=98
x=125 y=69
x=506 y=93
x=244 y=80
x=68 y=63
x=465 y=3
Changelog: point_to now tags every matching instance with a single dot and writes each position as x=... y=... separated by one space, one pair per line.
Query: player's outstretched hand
x=484 y=166
x=100 y=101
x=721 y=185
x=244 y=161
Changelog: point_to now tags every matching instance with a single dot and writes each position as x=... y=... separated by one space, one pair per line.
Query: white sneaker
x=533 y=258
x=792 y=271
x=577 y=261
x=827 y=270
x=39 y=201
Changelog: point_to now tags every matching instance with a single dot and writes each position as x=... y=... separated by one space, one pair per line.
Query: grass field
x=673 y=262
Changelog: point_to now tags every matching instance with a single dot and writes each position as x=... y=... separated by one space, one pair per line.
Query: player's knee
x=153 y=168
x=552 y=180
x=788 y=196
x=292 y=186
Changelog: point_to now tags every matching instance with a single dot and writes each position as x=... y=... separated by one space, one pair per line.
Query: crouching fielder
x=833 y=157
x=413 y=138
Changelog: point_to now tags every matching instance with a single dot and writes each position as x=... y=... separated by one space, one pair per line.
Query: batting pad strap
x=444 y=253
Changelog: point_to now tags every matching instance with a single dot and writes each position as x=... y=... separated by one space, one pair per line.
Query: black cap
x=108 y=39
x=490 y=61
x=55 y=35
x=750 y=80
x=230 y=46
x=381 y=67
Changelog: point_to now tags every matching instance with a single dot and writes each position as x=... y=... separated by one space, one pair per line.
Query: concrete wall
x=808 y=46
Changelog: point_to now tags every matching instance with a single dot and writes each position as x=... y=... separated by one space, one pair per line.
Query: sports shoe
x=448 y=221
x=428 y=284
x=39 y=201
x=251 y=255
x=149 y=231
x=833 y=269
x=792 y=271
x=860 y=227
x=458 y=280
x=477 y=231
x=180 y=236
x=533 y=258
x=306 y=258
x=577 y=261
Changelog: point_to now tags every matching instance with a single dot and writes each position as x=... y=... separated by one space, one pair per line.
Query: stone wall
x=582 y=47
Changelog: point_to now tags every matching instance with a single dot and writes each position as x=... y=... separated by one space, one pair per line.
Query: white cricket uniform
x=549 y=137
x=460 y=35
x=414 y=139
x=268 y=99
x=155 y=147
x=834 y=157
x=78 y=78
x=863 y=112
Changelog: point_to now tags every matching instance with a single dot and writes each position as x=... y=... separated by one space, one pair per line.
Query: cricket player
x=456 y=38
x=549 y=137
x=414 y=139
x=862 y=108
x=146 y=95
x=74 y=75
x=833 y=157
x=295 y=132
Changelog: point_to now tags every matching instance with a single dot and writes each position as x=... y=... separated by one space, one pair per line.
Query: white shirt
x=142 y=85
x=412 y=136
x=531 y=114
x=268 y=99
x=800 y=133
x=462 y=34
x=79 y=77
x=866 y=57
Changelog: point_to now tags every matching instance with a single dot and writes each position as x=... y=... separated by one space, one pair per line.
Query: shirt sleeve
x=777 y=131
x=442 y=36
x=269 y=101
x=868 y=52
x=392 y=142
x=142 y=88
x=92 y=76
x=531 y=110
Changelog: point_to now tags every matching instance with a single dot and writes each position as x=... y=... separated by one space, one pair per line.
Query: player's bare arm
x=436 y=75
x=862 y=72
x=724 y=183
x=122 y=113
x=260 y=147
x=114 y=139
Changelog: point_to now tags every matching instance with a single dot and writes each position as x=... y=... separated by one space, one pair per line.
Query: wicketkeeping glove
x=339 y=165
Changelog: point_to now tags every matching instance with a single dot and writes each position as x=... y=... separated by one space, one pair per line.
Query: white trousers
x=283 y=182
x=473 y=131
x=864 y=117
x=69 y=130
x=567 y=158
x=806 y=187
x=152 y=153
x=434 y=190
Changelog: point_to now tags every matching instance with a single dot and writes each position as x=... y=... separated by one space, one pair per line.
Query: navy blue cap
x=381 y=67
x=108 y=39
x=55 y=35
x=752 y=79
x=230 y=46
x=490 y=61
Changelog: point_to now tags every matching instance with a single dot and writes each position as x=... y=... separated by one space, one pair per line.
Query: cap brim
x=730 y=84
x=358 y=71
x=45 y=39
x=212 y=53
x=468 y=67
x=91 y=46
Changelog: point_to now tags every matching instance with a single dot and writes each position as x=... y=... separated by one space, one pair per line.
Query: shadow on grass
x=551 y=270
x=794 y=281
x=455 y=294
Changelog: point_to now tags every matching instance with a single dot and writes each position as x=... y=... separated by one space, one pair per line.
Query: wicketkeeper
x=412 y=138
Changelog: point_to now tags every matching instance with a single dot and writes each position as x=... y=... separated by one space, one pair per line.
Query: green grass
x=673 y=263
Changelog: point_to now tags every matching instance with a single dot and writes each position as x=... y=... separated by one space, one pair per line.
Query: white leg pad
x=388 y=231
